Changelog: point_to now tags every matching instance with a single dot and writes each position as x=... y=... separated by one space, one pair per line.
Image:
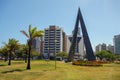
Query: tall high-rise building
x=110 y=48
x=64 y=42
x=36 y=44
x=116 y=41
x=54 y=41
x=101 y=47
x=41 y=45
x=97 y=48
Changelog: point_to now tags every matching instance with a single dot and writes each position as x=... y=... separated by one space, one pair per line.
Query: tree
x=34 y=53
x=25 y=50
x=117 y=57
x=101 y=54
x=12 y=45
x=22 y=52
x=32 y=33
x=110 y=56
x=4 y=52
x=62 y=54
x=105 y=55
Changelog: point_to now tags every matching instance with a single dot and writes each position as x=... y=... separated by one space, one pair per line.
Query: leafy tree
x=117 y=57
x=62 y=54
x=110 y=56
x=32 y=33
x=105 y=55
x=101 y=54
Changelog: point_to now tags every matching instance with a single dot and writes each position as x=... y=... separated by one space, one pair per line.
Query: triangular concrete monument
x=88 y=47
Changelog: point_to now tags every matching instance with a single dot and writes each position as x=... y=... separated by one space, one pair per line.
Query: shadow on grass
x=2 y=65
x=14 y=70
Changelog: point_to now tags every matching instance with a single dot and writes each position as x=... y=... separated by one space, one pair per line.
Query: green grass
x=42 y=70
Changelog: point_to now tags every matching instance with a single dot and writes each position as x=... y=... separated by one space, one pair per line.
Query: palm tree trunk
x=28 y=64
x=9 y=63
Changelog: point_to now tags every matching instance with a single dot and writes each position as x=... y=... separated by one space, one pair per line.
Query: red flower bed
x=87 y=63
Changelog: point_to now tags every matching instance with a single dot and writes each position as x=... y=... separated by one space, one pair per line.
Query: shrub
x=87 y=63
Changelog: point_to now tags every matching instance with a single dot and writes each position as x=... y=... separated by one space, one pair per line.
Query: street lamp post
x=48 y=53
x=55 y=54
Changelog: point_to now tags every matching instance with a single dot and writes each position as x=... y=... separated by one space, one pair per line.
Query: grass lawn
x=43 y=70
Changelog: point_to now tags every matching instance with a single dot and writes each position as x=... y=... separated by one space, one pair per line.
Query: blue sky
x=102 y=17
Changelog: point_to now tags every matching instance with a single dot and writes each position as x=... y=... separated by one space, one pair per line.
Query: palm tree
x=12 y=45
x=32 y=33
x=4 y=52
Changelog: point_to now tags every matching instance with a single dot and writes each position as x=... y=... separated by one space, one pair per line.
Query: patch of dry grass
x=42 y=70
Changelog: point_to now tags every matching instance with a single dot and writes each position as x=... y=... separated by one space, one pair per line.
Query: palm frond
x=25 y=33
x=30 y=28
x=33 y=32
x=39 y=33
x=13 y=44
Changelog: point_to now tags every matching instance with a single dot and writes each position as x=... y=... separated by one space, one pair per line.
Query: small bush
x=87 y=63
x=117 y=62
